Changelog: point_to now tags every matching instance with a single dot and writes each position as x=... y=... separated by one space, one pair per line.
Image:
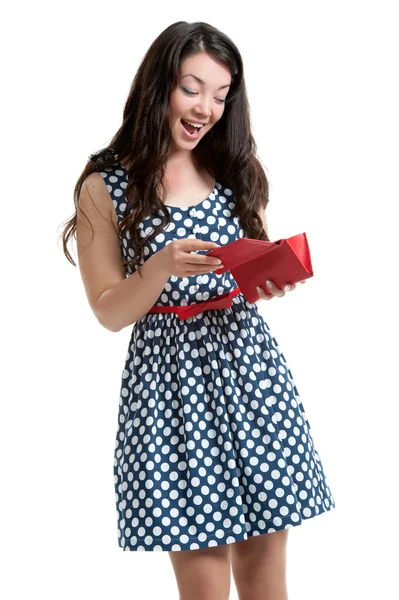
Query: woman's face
x=197 y=102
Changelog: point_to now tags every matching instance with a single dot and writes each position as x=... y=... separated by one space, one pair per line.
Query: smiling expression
x=199 y=97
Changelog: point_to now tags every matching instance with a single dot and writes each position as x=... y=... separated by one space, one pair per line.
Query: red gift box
x=252 y=262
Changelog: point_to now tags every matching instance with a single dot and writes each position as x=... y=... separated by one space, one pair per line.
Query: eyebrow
x=203 y=82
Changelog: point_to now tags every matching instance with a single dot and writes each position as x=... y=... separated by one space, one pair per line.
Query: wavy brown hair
x=143 y=141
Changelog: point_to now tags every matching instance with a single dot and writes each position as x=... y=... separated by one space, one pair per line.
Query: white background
x=322 y=84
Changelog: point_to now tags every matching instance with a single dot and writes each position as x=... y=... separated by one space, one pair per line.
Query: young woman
x=214 y=457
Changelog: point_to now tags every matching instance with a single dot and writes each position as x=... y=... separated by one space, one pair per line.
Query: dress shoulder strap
x=116 y=181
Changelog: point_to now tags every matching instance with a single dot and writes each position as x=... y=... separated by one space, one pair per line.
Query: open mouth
x=190 y=130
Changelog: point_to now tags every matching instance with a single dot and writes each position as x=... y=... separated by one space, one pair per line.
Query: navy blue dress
x=213 y=445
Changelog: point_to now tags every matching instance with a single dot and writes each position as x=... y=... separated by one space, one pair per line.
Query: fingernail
x=287 y=288
x=269 y=284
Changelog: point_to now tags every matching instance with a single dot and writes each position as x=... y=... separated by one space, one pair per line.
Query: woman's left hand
x=275 y=291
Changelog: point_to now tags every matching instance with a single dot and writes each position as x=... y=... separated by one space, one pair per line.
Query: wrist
x=157 y=262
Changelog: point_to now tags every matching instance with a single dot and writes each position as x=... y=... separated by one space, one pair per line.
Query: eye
x=194 y=93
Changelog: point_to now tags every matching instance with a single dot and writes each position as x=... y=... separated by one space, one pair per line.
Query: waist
x=183 y=312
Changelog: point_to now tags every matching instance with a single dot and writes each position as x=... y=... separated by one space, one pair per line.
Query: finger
x=196 y=244
x=262 y=294
x=276 y=291
x=202 y=261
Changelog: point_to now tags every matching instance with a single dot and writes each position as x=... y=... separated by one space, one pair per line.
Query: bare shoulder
x=262 y=215
x=95 y=200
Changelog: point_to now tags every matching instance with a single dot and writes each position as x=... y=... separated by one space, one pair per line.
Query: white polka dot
x=213 y=444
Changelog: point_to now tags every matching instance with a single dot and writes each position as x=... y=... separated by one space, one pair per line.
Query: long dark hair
x=143 y=141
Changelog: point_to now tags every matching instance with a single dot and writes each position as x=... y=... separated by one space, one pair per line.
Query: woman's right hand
x=179 y=258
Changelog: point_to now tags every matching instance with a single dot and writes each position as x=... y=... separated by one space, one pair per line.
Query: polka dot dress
x=213 y=445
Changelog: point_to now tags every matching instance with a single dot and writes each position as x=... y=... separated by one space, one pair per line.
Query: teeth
x=199 y=125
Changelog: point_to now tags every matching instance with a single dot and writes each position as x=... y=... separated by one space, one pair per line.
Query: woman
x=214 y=458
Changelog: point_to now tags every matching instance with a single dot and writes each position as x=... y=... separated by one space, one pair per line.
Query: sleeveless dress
x=213 y=445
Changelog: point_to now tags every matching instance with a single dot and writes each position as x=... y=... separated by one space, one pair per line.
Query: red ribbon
x=223 y=301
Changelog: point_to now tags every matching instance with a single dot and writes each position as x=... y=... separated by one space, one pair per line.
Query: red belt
x=223 y=301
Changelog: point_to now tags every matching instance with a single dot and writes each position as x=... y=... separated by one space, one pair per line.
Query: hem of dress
x=228 y=537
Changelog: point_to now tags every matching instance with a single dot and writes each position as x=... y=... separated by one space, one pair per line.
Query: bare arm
x=116 y=300
x=262 y=215
x=129 y=300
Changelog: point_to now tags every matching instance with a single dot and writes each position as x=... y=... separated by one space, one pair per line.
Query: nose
x=203 y=109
